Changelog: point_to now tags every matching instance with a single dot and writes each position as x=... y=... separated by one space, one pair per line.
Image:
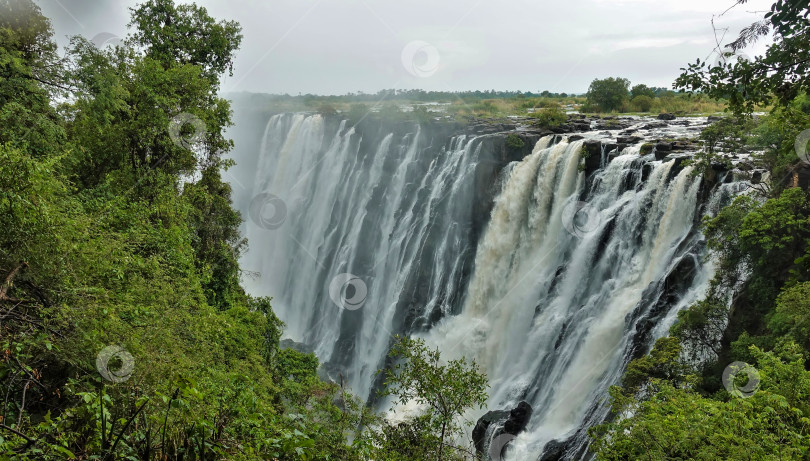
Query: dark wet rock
x=654 y=125
x=592 y=151
x=714 y=118
x=575 y=137
x=663 y=146
x=679 y=163
x=561 y=129
x=498 y=422
x=554 y=450
x=646 y=170
x=628 y=139
x=666 y=117
x=756 y=177
x=480 y=430
x=518 y=418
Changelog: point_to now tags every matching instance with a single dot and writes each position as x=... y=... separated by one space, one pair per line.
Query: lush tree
x=608 y=94
x=29 y=76
x=445 y=390
x=186 y=34
x=781 y=74
x=642 y=102
x=116 y=233
x=678 y=423
x=791 y=317
x=642 y=90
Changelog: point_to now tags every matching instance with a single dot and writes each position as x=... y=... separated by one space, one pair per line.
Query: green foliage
x=642 y=103
x=550 y=116
x=608 y=94
x=115 y=234
x=779 y=76
x=791 y=317
x=445 y=391
x=186 y=34
x=729 y=135
x=642 y=90
x=701 y=326
x=358 y=112
x=776 y=136
x=27 y=79
x=761 y=245
x=514 y=141
x=663 y=363
x=677 y=423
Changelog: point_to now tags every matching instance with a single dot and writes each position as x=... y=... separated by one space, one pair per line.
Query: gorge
x=551 y=259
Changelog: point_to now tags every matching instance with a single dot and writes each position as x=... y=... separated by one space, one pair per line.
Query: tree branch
x=16 y=432
x=10 y=278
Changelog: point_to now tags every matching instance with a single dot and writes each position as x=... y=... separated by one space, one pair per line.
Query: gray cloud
x=320 y=46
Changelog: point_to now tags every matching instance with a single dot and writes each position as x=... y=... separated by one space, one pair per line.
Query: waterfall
x=551 y=279
x=551 y=309
x=395 y=218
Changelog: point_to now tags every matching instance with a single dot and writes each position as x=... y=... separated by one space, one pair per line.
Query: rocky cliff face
x=437 y=222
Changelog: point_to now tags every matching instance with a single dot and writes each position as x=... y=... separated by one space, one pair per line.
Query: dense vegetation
x=688 y=398
x=124 y=331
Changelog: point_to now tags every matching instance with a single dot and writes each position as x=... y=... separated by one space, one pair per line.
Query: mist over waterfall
x=551 y=275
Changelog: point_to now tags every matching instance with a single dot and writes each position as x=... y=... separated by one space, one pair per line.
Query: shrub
x=513 y=141
x=549 y=117
x=642 y=103
x=608 y=94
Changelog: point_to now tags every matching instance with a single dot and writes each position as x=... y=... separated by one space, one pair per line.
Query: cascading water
x=552 y=308
x=396 y=217
x=572 y=276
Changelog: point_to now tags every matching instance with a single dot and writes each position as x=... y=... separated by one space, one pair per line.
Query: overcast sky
x=340 y=46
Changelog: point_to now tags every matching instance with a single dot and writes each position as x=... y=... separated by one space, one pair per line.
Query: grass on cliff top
x=461 y=107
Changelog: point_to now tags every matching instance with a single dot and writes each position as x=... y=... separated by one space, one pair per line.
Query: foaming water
x=571 y=277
